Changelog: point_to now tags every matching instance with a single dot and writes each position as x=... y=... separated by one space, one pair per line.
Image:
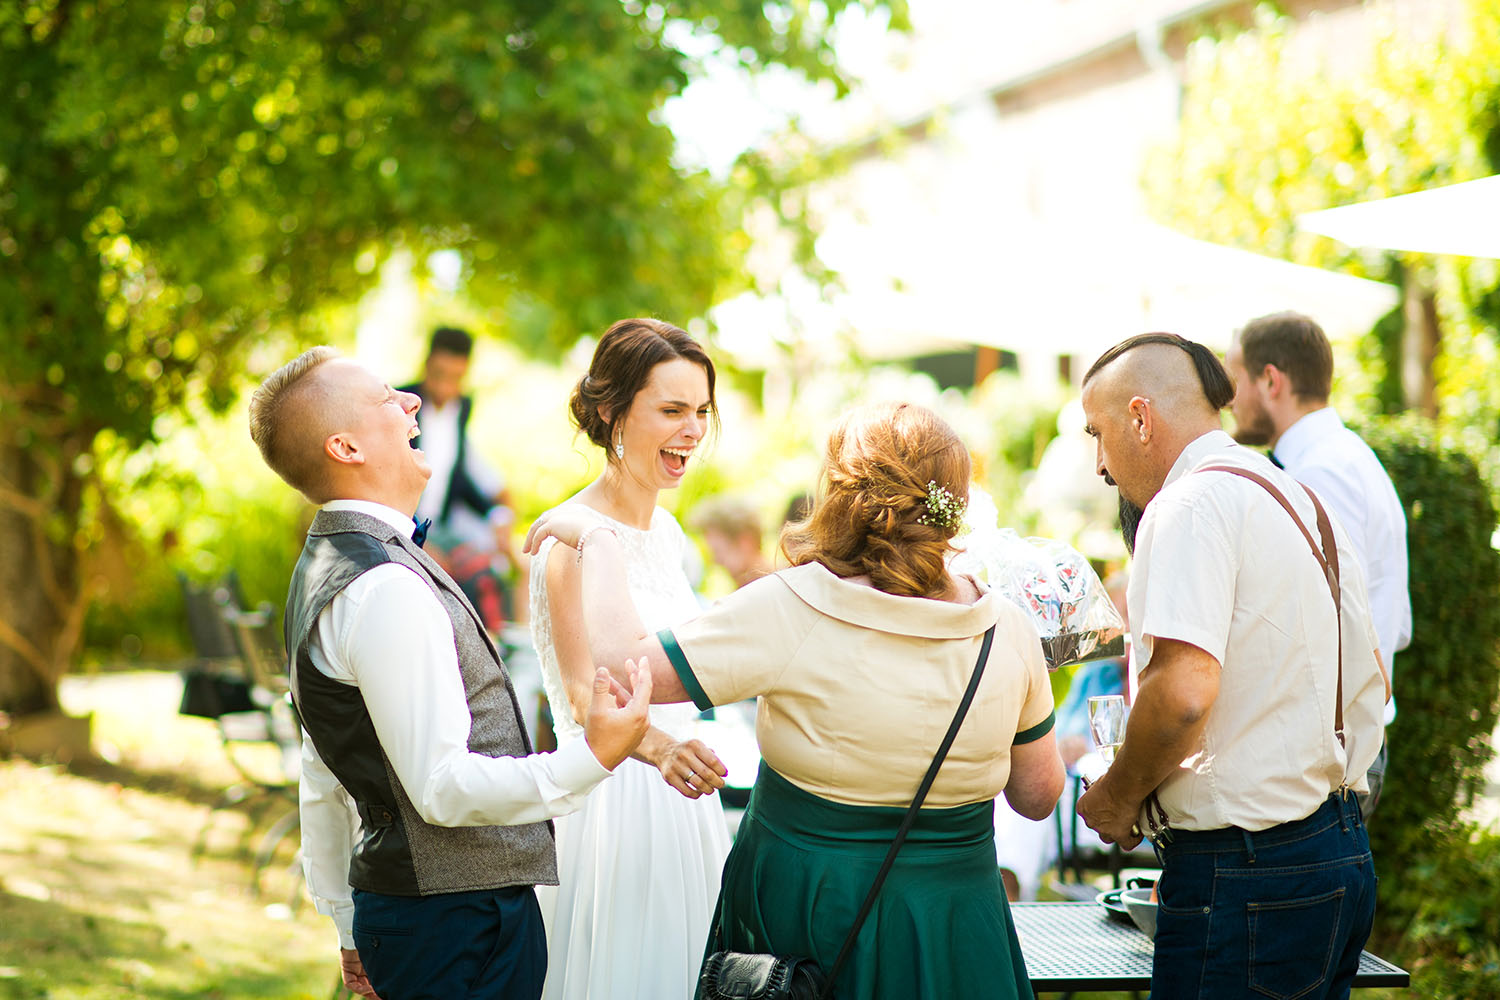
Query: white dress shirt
x=1345 y=474
x=1220 y=565
x=439 y=442
x=388 y=634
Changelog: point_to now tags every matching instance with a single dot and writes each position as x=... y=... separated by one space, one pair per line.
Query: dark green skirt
x=941 y=928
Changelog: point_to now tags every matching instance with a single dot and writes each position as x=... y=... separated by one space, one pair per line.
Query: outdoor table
x=1078 y=946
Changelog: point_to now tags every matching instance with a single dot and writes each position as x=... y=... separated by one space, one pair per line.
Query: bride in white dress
x=639 y=864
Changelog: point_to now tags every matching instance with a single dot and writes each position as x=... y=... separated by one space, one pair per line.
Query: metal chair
x=238 y=679
x=259 y=643
x=1073 y=861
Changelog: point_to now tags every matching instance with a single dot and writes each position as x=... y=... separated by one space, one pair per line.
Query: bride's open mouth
x=675 y=460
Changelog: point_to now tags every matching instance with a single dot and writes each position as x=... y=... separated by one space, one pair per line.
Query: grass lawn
x=120 y=879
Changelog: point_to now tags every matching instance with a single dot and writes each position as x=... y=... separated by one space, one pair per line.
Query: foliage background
x=189 y=188
x=1268 y=132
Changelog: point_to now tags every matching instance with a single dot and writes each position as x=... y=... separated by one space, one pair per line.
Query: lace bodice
x=663 y=598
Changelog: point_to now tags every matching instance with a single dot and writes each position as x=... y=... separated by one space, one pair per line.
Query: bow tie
x=419 y=530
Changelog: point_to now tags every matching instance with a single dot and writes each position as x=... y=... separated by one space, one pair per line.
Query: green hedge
x=1440 y=879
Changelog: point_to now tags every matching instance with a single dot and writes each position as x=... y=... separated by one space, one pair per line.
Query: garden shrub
x=1452 y=945
x=1447 y=683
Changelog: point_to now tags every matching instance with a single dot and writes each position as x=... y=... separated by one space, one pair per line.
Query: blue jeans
x=1281 y=913
x=484 y=945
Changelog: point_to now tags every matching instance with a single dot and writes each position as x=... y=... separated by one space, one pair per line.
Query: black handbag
x=733 y=975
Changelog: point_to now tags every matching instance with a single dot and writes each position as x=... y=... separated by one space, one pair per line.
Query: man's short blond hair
x=284 y=423
x=730 y=516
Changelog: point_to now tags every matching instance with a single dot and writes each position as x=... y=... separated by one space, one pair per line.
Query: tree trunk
x=42 y=590
x=1419 y=348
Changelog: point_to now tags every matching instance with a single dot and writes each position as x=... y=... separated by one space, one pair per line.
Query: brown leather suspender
x=1156 y=816
x=1330 y=565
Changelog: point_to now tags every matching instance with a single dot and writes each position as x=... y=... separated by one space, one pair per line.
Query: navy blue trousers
x=1280 y=913
x=485 y=945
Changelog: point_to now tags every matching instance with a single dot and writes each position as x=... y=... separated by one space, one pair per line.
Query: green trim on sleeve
x=1036 y=732
x=684 y=671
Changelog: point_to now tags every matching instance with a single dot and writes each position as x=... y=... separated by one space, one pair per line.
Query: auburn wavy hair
x=867 y=516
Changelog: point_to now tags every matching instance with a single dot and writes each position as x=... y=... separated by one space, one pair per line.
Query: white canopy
x=1461 y=219
x=1036 y=291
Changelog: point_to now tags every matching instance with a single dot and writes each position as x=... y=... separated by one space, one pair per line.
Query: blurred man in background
x=467 y=502
x=731 y=530
x=1282 y=366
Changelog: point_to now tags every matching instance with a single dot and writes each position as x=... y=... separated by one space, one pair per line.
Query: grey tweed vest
x=399 y=853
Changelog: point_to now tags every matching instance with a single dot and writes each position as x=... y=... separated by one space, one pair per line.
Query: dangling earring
x=619 y=444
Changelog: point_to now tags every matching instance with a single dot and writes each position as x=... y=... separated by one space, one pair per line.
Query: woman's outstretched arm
x=689 y=766
x=609 y=627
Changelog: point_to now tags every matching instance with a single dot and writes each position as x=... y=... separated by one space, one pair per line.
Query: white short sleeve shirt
x=1347 y=476
x=1220 y=564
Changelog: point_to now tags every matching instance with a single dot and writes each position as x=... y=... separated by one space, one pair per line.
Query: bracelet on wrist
x=585 y=536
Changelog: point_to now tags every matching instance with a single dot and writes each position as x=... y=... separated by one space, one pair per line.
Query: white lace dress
x=639 y=864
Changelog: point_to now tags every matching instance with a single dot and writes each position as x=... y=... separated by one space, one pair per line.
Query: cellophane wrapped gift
x=1050 y=581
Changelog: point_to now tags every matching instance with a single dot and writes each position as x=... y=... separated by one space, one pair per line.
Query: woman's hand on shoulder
x=566 y=522
x=691 y=767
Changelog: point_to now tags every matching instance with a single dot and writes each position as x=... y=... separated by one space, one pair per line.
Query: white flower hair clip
x=944 y=510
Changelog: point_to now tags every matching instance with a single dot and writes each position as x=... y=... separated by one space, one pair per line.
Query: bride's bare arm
x=687 y=765
x=614 y=632
x=614 y=628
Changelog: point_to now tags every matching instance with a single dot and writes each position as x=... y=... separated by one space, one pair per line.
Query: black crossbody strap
x=911 y=812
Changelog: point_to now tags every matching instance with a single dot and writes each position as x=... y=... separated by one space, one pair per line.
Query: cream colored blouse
x=856 y=687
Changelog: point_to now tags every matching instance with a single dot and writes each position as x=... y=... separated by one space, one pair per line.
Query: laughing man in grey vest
x=425 y=814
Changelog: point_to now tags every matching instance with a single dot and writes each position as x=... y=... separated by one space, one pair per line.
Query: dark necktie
x=419 y=530
x=1274 y=460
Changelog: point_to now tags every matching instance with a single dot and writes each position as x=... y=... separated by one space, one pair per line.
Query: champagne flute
x=1107 y=724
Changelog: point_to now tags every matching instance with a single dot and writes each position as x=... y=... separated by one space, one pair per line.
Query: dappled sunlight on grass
x=109 y=889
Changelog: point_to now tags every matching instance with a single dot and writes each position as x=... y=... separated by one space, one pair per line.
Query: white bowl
x=1142 y=909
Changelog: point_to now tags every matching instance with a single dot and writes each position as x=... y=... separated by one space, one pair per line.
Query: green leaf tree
x=1268 y=132
x=186 y=186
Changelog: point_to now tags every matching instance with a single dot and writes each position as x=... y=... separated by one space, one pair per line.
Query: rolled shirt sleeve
x=1191 y=597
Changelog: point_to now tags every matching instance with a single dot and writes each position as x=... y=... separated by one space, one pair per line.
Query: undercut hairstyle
x=1218 y=388
x=279 y=423
x=451 y=340
x=622 y=366
x=871 y=513
x=1294 y=344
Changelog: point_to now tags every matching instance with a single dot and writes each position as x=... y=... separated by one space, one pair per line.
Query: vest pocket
x=1292 y=943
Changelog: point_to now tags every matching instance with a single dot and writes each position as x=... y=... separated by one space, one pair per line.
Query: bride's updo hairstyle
x=871 y=516
x=621 y=367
